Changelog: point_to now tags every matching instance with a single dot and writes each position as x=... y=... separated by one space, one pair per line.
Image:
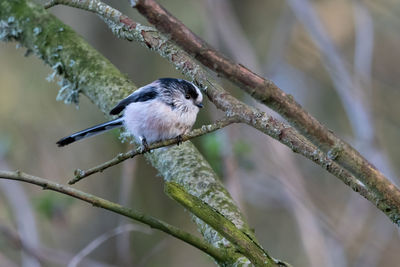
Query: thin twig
x=126 y=188
x=44 y=255
x=218 y=254
x=80 y=174
x=16 y=240
x=94 y=244
x=126 y=28
x=23 y=214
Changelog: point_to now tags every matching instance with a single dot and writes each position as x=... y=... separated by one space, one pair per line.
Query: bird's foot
x=145 y=145
x=179 y=140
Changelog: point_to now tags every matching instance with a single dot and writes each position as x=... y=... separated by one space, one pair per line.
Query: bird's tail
x=95 y=130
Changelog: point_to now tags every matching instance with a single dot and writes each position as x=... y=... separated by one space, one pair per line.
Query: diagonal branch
x=80 y=174
x=268 y=93
x=250 y=248
x=124 y=27
x=218 y=254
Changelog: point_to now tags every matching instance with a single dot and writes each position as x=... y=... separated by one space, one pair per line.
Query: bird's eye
x=187 y=96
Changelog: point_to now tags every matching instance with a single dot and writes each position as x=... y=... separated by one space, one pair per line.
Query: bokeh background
x=338 y=58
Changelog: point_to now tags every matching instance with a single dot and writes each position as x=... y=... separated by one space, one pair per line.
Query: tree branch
x=268 y=93
x=248 y=247
x=218 y=254
x=80 y=174
x=86 y=71
x=124 y=27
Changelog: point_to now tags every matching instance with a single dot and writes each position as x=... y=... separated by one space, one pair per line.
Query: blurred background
x=339 y=59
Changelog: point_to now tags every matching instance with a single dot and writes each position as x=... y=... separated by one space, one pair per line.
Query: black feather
x=142 y=95
x=184 y=86
x=92 y=131
x=65 y=141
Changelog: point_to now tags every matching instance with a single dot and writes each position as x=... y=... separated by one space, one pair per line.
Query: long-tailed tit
x=161 y=110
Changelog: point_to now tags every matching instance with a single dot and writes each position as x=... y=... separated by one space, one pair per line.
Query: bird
x=164 y=109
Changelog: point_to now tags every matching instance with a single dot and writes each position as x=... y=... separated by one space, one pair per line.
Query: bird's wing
x=143 y=94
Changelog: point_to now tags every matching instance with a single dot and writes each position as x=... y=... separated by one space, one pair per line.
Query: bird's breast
x=157 y=121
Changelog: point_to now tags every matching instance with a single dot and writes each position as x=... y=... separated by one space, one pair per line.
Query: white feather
x=154 y=120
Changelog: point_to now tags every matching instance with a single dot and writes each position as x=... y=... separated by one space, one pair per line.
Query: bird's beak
x=200 y=105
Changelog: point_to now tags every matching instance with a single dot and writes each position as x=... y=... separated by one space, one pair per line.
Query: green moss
x=220 y=223
x=58 y=45
x=335 y=152
x=185 y=165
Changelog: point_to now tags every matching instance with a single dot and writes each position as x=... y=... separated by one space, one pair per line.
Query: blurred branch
x=222 y=27
x=248 y=247
x=80 y=174
x=23 y=214
x=121 y=229
x=124 y=250
x=154 y=251
x=42 y=254
x=126 y=28
x=268 y=93
x=350 y=95
x=217 y=253
x=222 y=19
x=352 y=90
x=364 y=46
x=31 y=252
x=6 y=262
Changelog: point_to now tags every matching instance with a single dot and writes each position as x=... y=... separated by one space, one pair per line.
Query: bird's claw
x=179 y=140
x=145 y=145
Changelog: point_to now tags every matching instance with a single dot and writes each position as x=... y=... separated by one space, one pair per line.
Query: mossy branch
x=245 y=244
